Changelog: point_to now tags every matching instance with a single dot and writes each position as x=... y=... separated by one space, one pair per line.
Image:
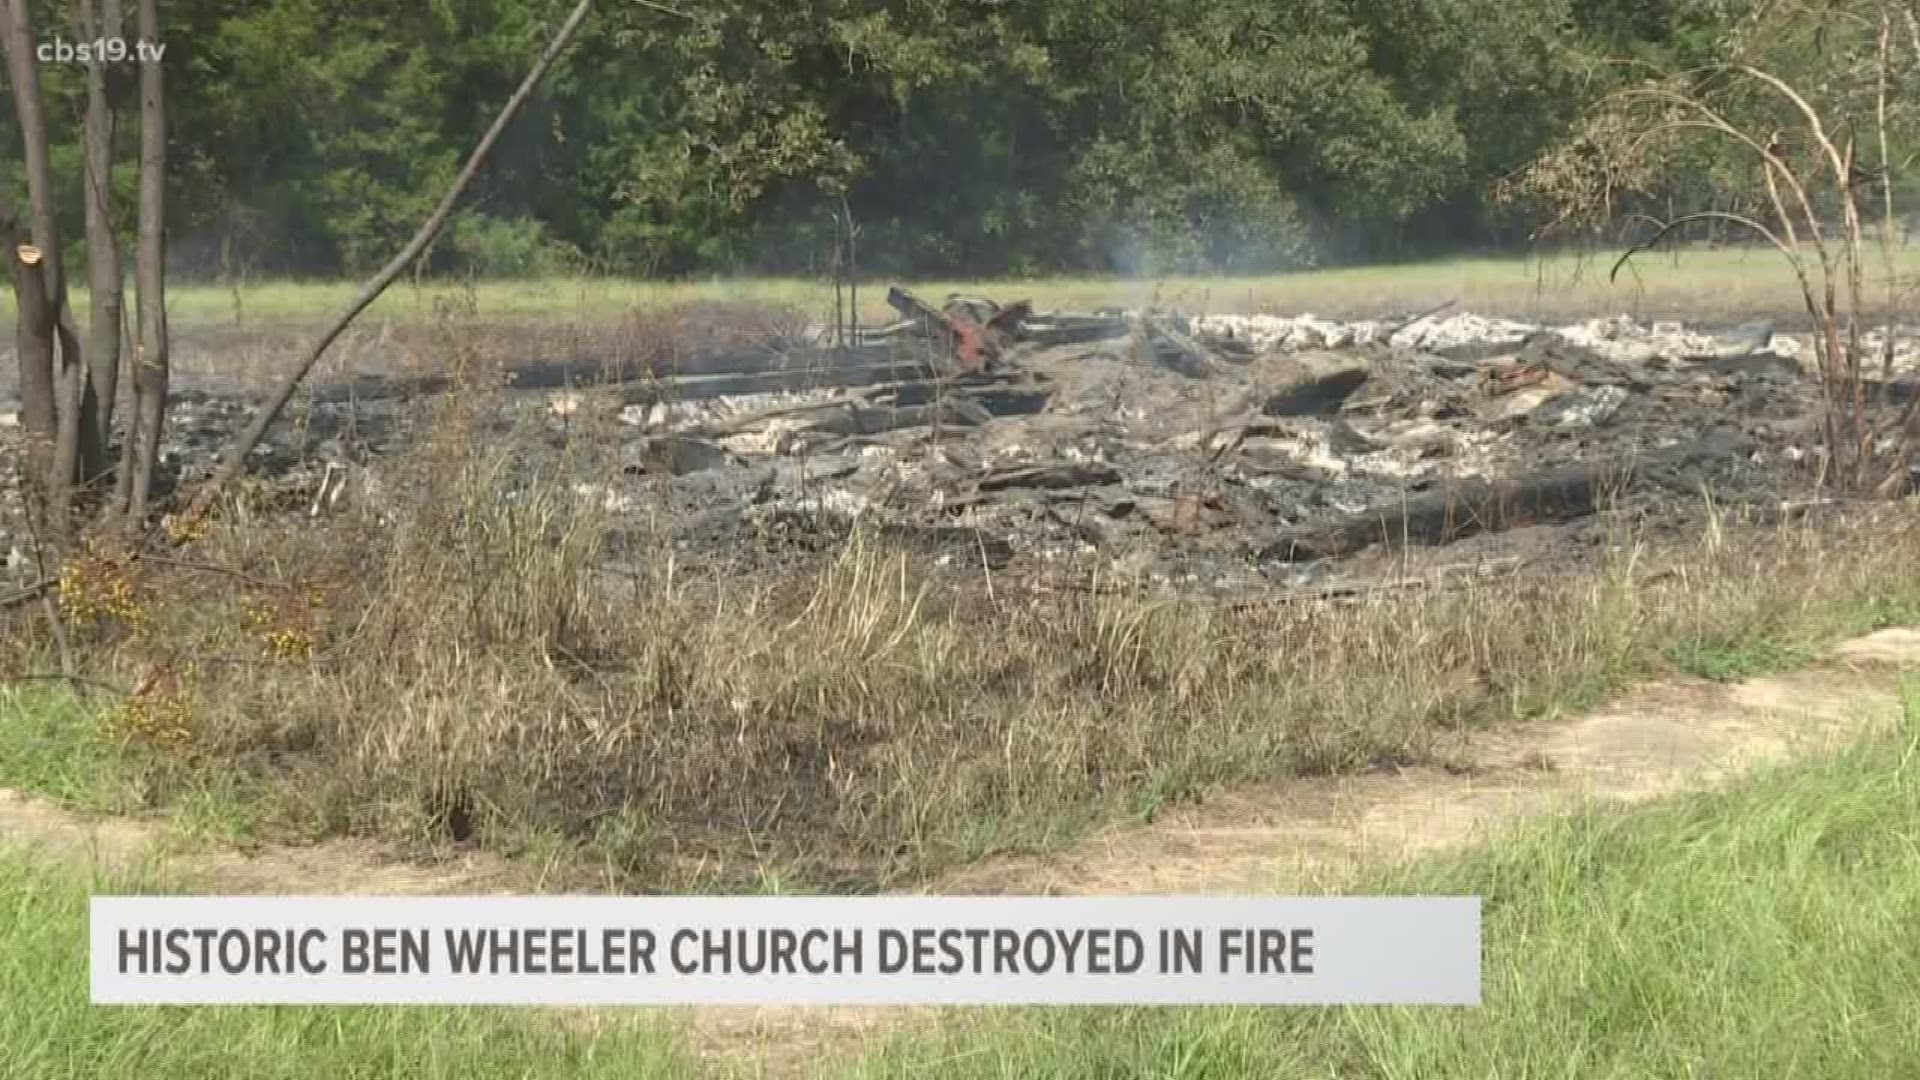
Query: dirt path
x=1654 y=740
x=353 y=867
x=1301 y=836
x=1308 y=836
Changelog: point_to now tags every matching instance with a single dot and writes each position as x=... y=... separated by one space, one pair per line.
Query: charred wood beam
x=1476 y=506
x=821 y=367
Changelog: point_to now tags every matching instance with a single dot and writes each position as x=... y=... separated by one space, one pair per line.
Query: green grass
x=53 y=748
x=1766 y=929
x=1731 y=660
x=1698 y=283
x=1730 y=653
x=56 y=747
x=49 y=1031
x=1763 y=930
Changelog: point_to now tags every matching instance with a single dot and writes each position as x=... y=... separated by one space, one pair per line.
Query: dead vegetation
x=467 y=661
x=1813 y=162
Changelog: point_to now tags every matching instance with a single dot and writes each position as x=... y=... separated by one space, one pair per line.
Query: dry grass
x=459 y=657
x=484 y=653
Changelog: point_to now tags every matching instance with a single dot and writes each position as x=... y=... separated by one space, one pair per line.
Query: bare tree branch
x=663 y=9
x=1704 y=215
x=236 y=457
x=1804 y=132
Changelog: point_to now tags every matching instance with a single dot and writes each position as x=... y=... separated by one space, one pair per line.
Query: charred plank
x=1475 y=506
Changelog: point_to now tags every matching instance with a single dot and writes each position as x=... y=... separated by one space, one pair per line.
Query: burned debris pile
x=1232 y=453
x=1220 y=453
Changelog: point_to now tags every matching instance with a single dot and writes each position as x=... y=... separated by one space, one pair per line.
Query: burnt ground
x=1222 y=455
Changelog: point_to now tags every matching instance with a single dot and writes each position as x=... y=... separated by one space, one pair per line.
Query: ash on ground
x=1219 y=454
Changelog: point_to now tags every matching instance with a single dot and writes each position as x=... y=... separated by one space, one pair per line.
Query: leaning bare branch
x=1772 y=238
x=236 y=457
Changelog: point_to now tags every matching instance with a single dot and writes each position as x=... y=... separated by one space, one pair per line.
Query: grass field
x=1694 y=284
x=1765 y=929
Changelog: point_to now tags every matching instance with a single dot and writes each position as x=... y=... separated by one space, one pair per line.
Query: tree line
x=962 y=136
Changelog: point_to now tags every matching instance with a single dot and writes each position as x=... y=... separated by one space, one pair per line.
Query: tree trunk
x=33 y=345
x=151 y=376
x=236 y=456
x=105 y=278
x=73 y=438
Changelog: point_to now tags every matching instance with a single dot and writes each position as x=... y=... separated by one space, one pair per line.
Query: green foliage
x=1242 y=135
x=493 y=247
x=1684 y=128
